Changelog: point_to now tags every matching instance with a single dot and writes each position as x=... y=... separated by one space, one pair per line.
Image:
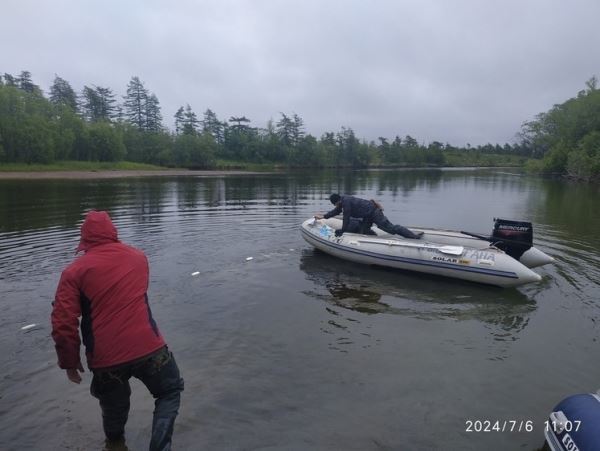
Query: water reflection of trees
x=27 y=204
x=569 y=206
x=370 y=290
x=37 y=204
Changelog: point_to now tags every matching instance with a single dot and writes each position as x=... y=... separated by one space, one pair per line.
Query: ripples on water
x=286 y=344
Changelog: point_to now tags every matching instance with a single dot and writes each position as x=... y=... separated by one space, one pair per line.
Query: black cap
x=334 y=198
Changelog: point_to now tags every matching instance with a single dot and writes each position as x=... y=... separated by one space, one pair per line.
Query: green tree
x=349 y=148
x=97 y=104
x=153 y=114
x=107 y=108
x=307 y=153
x=211 y=124
x=10 y=80
x=434 y=154
x=239 y=139
x=145 y=146
x=26 y=126
x=195 y=151
x=32 y=140
x=240 y=122
x=273 y=150
x=561 y=131
x=105 y=143
x=290 y=130
x=2 y=152
x=186 y=121
x=179 y=119
x=329 y=149
x=26 y=83
x=68 y=131
x=285 y=131
x=191 y=123
x=584 y=162
x=135 y=103
x=61 y=93
x=297 y=129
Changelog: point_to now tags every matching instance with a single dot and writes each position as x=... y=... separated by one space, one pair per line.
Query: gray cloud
x=461 y=71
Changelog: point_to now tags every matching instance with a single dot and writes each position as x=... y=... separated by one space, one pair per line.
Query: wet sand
x=108 y=174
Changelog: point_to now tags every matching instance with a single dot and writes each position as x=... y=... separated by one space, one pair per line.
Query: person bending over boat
x=107 y=288
x=368 y=211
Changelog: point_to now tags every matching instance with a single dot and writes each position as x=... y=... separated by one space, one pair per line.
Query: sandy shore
x=117 y=174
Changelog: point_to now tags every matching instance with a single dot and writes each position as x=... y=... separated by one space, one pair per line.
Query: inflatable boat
x=504 y=259
x=573 y=424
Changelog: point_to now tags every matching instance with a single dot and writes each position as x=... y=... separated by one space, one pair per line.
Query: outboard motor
x=573 y=424
x=513 y=237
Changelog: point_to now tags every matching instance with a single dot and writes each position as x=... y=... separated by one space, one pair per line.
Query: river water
x=296 y=350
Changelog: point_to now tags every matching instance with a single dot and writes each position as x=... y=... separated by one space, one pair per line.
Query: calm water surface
x=296 y=350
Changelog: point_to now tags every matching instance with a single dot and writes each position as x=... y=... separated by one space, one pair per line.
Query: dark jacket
x=352 y=207
x=107 y=288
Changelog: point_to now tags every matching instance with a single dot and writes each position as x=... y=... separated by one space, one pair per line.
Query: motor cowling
x=573 y=424
x=513 y=237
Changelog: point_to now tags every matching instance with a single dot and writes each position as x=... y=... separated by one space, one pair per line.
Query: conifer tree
x=153 y=115
x=190 y=122
x=107 y=108
x=97 y=104
x=26 y=84
x=212 y=125
x=179 y=119
x=9 y=80
x=135 y=103
x=284 y=129
x=89 y=104
x=297 y=129
x=61 y=93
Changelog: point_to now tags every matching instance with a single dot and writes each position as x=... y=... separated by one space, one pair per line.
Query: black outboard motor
x=513 y=237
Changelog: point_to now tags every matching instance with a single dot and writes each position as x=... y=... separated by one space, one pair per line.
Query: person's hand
x=73 y=374
x=339 y=232
x=318 y=216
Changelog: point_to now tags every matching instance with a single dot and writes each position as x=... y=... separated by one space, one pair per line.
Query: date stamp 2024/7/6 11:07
x=519 y=426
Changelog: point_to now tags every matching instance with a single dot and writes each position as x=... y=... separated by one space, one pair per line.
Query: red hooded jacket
x=107 y=288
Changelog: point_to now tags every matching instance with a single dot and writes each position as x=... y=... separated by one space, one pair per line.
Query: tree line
x=94 y=125
x=567 y=137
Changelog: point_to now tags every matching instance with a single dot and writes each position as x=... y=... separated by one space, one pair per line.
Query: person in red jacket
x=107 y=288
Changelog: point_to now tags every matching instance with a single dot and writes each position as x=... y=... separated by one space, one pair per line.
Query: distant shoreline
x=110 y=174
x=121 y=173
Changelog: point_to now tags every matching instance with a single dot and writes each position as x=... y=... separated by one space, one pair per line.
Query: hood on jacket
x=96 y=229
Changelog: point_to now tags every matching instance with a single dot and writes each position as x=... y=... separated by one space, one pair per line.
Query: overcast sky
x=457 y=71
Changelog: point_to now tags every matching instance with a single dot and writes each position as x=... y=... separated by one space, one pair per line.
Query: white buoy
x=249 y=258
x=29 y=326
x=195 y=273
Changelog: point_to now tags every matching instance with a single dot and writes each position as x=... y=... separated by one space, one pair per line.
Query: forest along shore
x=108 y=174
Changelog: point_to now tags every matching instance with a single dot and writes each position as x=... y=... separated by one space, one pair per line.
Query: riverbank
x=118 y=173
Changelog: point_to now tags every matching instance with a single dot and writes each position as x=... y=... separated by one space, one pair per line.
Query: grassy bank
x=229 y=165
x=470 y=159
x=79 y=166
x=453 y=159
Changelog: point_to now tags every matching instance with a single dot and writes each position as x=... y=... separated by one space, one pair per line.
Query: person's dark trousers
x=160 y=374
x=384 y=224
x=356 y=225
